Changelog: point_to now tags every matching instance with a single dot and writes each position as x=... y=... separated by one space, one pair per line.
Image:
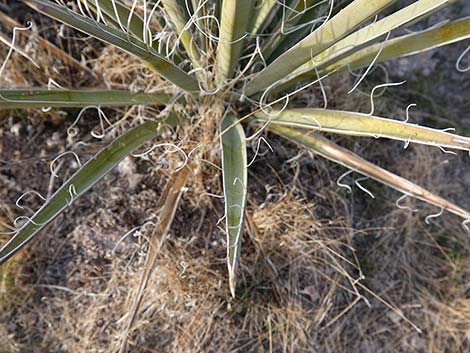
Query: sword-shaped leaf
x=233 y=28
x=335 y=153
x=357 y=124
x=262 y=10
x=308 y=17
x=87 y=176
x=119 y=39
x=234 y=166
x=179 y=18
x=365 y=36
x=120 y=15
x=323 y=37
x=405 y=45
x=38 y=98
x=296 y=18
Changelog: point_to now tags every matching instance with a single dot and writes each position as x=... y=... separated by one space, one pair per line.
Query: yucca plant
x=247 y=62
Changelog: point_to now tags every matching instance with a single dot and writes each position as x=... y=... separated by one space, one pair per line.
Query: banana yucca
x=248 y=61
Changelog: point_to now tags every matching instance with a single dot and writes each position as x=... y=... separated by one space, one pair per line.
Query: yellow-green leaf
x=335 y=153
x=180 y=20
x=357 y=124
x=365 y=36
x=323 y=37
x=38 y=98
x=234 y=166
x=119 y=39
x=233 y=30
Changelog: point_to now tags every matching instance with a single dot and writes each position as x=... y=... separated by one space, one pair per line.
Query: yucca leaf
x=194 y=4
x=119 y=14
x=405 y=45
x=262 y=10
x=335 y=153
x=363 y=37
x=234 y=166
x=323 y=37
x=309 y=16
x=233 y=28
x=179 y=18
x=119 y=39
x=357 y=124
x=38 y=98
x=296 y=15
x=87 y=176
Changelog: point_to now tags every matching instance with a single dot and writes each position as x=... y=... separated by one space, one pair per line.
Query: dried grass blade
x=57 y=52
x=168 y=204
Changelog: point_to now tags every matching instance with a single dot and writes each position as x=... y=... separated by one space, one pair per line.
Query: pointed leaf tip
x=234 y=166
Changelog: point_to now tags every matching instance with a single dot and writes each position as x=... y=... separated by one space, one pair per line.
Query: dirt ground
x=322 y=270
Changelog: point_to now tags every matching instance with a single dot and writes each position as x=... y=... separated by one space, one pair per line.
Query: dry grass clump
x=289 y=287
x=421 y=269
x=415 y=270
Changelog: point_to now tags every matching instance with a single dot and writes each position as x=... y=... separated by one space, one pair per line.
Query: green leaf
x=308 y=17
x=119 y=14
x=262 y=11
x=38 y=98
x=233 y=29
x=234 y=166
x=335 y=153
x=357 y=124
x=87 y=176
x=178 y=16
x=119 y=39
x=296 y=15
x=323 y=37
x=406 y=45
x=365 y=36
